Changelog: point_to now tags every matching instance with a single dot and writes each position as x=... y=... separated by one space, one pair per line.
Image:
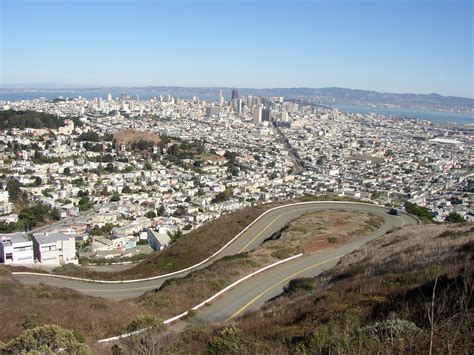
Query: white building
x=157 y=241
x=54 y=248
x=5 y=206
x=257 y=115
x=16 y=248
x=4 y=197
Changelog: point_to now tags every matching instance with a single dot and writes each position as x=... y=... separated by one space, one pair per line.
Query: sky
x=416 y=46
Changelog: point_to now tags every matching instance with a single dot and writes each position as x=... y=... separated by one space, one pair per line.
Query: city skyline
x=242 y=45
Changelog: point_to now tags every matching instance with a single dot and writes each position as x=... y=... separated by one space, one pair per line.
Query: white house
x=157 y=241
x=5 y=206
x=54 y=248
x=16 y=248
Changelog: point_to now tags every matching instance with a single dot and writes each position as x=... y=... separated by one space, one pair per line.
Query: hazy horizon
x=392 y=47
x=59 y=87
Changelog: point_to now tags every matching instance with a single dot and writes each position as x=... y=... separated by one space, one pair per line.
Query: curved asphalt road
x=252 y=293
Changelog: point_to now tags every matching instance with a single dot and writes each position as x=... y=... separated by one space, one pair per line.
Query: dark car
x=394 y=211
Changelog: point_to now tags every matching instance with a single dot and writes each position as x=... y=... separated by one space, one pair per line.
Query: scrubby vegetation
x=178 y=295
x=26 y=306
x=46 y=339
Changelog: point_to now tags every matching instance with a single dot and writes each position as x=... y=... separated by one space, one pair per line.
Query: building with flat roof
x=54 y=248
x=16 y=248
x=157 y=241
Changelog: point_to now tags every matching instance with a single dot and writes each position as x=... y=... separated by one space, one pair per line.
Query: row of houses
x=45 y=248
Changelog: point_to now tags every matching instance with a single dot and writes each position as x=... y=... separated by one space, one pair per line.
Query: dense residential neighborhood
x=105 y=178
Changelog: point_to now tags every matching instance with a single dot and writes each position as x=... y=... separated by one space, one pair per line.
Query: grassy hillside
x=25 y=307
x=405 y=293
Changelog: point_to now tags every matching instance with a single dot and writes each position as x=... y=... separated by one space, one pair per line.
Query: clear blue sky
x=393 y=46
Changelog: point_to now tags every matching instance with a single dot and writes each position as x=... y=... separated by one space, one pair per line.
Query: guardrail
x=202 y=304
x=203 y=261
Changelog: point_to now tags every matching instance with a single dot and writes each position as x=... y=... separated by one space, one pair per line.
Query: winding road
x=255 y=291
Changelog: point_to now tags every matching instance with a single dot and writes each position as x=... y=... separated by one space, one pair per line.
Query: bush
x=306 y=284
x=454 y=217
x=229 y=341
x=419 y=211
x=143 y=322
x=48 y=338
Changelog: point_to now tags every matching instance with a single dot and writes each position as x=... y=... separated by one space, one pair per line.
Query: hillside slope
x=407 y=292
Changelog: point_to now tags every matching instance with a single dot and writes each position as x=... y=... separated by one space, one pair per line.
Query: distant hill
x=330 y=95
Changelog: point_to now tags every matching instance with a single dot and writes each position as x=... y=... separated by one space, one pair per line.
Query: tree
x=418 y=211
x=110 y=168
x=454 y=217
x=126 y=190
x=89 y=136
x=84 y=203
x=150 y=214
x=180 y=211
x=115 y=197
x=55 y=214
x=223 y=196
x=14 y=190
x=67 y=171
x=37 y=182
x=174 y=237
x=160 y=211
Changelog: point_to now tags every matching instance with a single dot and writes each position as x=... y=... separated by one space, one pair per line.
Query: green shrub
x=283 y=253
x=144 y=321
x=231 y=340
x=48 y=338
x=306 y=284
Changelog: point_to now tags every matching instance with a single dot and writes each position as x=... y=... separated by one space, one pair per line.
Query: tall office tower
x=239 y=106
x=235 y=94
x=109 y=97
x=249 y=101
x=233 y=105
x=137 y=98
x=266 y=114
x=221 y=98
x=257 y=115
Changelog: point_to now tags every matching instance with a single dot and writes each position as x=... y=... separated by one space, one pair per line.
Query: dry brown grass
x=315 y=231
x=178 y=295
x=95 y=317
x=131 y=135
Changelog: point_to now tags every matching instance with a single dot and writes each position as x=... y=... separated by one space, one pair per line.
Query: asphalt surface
x=252 y=293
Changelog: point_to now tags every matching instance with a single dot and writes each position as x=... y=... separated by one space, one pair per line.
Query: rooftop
x=44 y=238
x=18 y=237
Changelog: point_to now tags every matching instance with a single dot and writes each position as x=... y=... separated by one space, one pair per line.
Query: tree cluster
x=28 y=119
